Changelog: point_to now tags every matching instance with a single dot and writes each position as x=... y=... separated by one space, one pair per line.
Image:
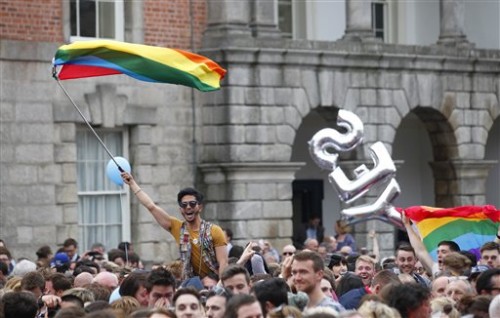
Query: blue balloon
x=112 y=170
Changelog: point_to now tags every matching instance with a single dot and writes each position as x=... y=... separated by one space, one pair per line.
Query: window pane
x=87 y=18
x=99 y=199
x=285 y=17
x=106 y=19
x=378 y=19
x=72 y=17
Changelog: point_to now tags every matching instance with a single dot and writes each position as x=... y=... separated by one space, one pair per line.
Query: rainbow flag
x=147 y=63
x=468 y=226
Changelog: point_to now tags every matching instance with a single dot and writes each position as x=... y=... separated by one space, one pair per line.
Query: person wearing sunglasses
x=202 y=245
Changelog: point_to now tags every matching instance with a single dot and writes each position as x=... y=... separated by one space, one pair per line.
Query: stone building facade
x=240 y=145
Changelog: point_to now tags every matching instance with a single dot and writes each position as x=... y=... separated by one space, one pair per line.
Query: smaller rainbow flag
x=147 y=63
x=468 y=226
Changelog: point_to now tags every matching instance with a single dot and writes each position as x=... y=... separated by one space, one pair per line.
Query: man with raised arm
x=444 y=247
x=202 y=245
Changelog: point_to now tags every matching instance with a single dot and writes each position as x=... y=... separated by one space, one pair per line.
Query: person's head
x=82 y=279
x=455 y=263
x=382 y=279
x=271 y=293
x=134 y=285
x=210 y=281
x=348 y=282
x=84 y=294
x=444 y=248
x=314 y=221
x=307 y=271
x=488 y=282
x=5 y=255
x=23 y=267
x=160 y=284
x=19 y=305
x=311 y=244
x=70 y=312
x=458 y=288
x=126 y=246
x=288 y=251
x=490 y=254
x=438 y=286
x=217 y=299
x=60 y=262
x=33 y=282
x=446 y=306
x=323 y=250
x=411 y=300
x=405 y=258
x=341 y=227
x=237 y=279
x=494 y=306
x=70 y=247
x=106 y=279
x=365 y=268
x=57 y=284
x=338 y=265
x=191 y=203
x=44 y=252
x=372 y=308
x=243 y=306
x=117 y=256
x=71 y=300
x=229 y=234
x=327 y=288
x=187 y=303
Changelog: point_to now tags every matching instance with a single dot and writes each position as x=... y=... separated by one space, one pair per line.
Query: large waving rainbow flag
x=468 y=226
x=147 y=63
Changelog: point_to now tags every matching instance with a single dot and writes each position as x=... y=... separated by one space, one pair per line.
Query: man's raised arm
x=161 y=216
x=417 y=244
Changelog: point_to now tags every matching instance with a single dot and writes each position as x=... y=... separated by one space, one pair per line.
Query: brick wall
x=28 y=20
x=167 y=23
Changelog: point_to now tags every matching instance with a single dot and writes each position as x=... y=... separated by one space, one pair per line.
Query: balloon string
x=54 y=74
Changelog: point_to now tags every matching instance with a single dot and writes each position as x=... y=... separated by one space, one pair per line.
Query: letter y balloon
x=325 y=147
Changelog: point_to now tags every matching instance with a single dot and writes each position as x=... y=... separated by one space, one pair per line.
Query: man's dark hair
x=220 y=291
x=60 y=282
x=236 y=302
x=318 y=263
x=490 y=246
x=273 y=290
x=485 y=282
x=233 y=270
x=407 y=297
x=159 y=277
x=88 y=263
x=229 y=233
x=73 y=299
x=19 y=305
x=115 y=253
x=5 y=251
x=44 y=252
x=454 y=247
x=124 y=246
x=186 y=291
x=131 y=284
x=70 y=312
x=70 y=241
x=190 y=191
x=405 y=247
x=385 y=277
x=97 y=305
x=347 y=282
x=4 y=269
x=32 y=280
x=133 y=258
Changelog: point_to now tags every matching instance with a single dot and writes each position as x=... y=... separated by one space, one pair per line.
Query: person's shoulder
x=175 y=224
x=328 y=302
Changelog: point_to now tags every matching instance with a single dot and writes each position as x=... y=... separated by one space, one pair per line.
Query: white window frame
x=119 y=21
x=123 y=192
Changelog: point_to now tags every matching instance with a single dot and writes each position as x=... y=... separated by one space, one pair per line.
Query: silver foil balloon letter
x=327 y=143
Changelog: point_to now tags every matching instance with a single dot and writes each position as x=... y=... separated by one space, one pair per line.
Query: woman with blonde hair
x=284 y=312
x=444 y=307
x=377 y=309
x=127 y=304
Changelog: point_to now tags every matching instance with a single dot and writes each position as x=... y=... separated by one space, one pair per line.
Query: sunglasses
x=192 y=204
x=288 y=253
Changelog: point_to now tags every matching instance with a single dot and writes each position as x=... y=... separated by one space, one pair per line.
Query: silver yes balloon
x=325 y=147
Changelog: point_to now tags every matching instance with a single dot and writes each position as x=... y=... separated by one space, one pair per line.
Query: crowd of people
x=317 y=276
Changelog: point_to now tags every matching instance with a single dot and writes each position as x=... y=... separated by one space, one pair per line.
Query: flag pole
x=54 y=75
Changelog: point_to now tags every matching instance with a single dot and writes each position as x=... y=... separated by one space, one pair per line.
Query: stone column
x=461 y=182
x=452 y=22
x=264 y=19
x=358 y=20
x=252 y=199
x=227 y=19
